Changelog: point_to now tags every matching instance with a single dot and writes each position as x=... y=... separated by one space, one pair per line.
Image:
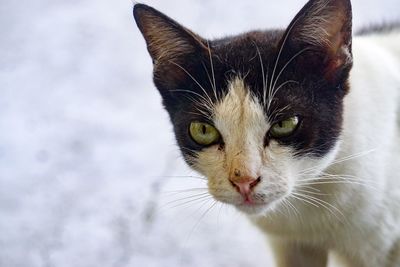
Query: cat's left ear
x=170 y=45
x=165 y=38
x=325 y=27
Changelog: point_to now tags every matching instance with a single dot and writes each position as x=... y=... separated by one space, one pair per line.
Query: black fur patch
x=312 y=94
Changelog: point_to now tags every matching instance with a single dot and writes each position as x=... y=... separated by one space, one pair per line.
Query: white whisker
x=278 y=58
x=191 y=200
x=202 y=217
x=201 y=87
x=212 y=71
x=263 y=75
x=206 y=104
x=176 y=192
x=340 y=160
x=285 y=66
x=331 y=208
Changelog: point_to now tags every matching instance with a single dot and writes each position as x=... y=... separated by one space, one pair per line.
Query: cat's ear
x=171 y=46
x=324 y=26
x=167 y=41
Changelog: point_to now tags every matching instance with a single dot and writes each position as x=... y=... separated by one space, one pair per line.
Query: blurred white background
x=87 y=156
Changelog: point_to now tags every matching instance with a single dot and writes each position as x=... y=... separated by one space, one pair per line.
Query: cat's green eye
x=203 y=133
x=284 y=128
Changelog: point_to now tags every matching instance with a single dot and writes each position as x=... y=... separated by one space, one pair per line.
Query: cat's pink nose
x=245 y=185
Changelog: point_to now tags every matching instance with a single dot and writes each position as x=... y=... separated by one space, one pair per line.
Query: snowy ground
x=87 y=156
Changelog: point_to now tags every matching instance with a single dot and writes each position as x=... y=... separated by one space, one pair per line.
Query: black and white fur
x=339 y=173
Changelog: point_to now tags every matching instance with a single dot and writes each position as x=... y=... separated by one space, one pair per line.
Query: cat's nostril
x=253 y=184
x=233 y=184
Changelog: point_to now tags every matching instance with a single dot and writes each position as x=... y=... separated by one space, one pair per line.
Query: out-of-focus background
x=89 y=170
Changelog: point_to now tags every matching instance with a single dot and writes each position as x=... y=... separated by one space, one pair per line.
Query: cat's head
x=257 y=112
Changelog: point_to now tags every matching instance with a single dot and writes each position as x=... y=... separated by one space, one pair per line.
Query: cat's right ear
x=168 y=43
x=324 y=26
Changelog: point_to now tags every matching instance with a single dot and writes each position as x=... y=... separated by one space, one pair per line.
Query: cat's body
x=369 y=228
x=300 y=129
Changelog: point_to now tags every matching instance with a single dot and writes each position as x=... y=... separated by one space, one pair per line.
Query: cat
x=297 y=128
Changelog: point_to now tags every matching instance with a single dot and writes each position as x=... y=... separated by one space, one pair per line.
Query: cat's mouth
x=258 y=207
x=252 y=203
x=258 y=203
x=247 y=204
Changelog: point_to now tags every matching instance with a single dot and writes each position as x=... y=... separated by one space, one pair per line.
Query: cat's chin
x=258 y=209
x=253 y=209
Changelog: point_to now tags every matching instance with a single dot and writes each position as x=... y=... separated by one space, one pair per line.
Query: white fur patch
x=241 y=121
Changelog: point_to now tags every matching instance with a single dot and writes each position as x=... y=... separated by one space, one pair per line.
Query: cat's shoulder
x=381 y=39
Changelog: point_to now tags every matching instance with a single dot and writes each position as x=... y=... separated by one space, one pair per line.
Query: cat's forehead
x=240 y=110
x=243 y=52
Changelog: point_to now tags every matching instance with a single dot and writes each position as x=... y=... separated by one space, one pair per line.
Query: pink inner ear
x=336 y=42
x=339 y=52
x=337 y=32
x=333 y=65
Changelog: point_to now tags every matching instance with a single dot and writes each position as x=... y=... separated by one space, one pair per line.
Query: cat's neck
x=371 y=108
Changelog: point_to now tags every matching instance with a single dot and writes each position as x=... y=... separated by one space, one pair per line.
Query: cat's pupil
x=204 y=129
x=280 y=124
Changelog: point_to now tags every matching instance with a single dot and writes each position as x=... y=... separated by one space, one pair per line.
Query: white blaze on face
x=242 y=123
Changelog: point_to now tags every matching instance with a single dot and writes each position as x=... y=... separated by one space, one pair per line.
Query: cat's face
x=256 y=113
